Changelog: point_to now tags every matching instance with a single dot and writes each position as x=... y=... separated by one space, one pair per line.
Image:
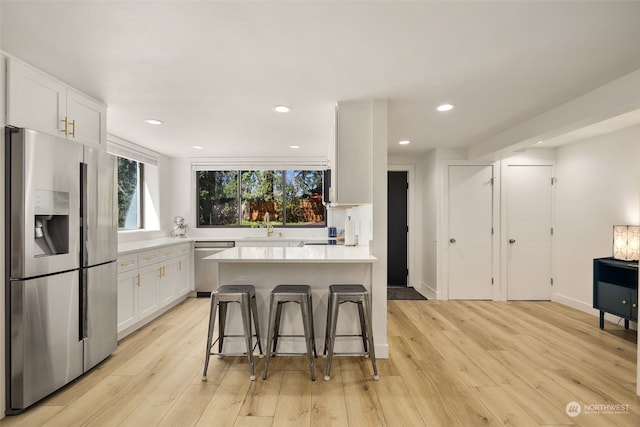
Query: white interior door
x=470 y=239
x=528 y=232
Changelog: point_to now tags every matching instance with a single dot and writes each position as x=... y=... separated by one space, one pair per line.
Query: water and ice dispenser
x=51 y=222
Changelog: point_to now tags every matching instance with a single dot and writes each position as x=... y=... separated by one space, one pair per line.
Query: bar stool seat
x=245 y=295
x=281 y=294
x=358 y=294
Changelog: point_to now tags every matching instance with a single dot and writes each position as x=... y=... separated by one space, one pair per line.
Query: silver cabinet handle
x=452 y=240
x=512 y=241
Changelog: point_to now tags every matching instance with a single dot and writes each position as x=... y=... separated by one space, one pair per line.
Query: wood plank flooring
x=452 y=363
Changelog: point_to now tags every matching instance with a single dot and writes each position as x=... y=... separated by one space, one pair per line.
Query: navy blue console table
x=615 y=289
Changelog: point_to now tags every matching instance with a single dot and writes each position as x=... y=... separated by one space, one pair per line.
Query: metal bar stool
x=245 y=295
x=300 y=294
x=358 y=294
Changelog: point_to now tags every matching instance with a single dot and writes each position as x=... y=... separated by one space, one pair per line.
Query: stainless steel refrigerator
x=61 y=278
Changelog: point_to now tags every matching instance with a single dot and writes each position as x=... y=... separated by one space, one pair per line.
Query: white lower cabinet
x=182 y=276
x=148 y=290
x=127 y=299
x=149 y=281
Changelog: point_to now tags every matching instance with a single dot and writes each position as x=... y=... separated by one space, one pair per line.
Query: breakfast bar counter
x=318 y=266
x=305 y=254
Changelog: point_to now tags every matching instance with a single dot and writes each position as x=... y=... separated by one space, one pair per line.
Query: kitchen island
x=317 y=266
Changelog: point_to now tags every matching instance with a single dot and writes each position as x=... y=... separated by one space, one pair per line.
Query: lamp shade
x=626 y=242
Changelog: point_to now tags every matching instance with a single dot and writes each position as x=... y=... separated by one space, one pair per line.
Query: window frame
x=281 y=172
x=140 y=197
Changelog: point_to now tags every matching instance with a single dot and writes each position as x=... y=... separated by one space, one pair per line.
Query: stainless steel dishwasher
x=206 y=271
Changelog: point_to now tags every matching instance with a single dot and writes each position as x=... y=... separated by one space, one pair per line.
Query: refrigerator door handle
x=84 y=255
x=83 y=304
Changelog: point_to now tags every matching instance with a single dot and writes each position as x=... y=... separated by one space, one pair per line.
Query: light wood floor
x=452 y=363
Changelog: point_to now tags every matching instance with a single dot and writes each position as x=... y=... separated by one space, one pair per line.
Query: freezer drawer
x=45 y=345
x=101 y=313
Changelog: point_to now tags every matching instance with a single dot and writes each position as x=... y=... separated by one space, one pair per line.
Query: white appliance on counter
x=179 y=227
x=206 y=271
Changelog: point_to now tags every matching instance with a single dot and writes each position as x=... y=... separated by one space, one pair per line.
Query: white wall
x=378 y=246
x=429 y=178
x=598 y=186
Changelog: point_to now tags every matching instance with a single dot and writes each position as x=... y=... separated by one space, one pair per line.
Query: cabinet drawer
x=148 y=257
x=167 y=252
x=183 y=249
x=614 y=299
x=127 y=262
x=174 y=251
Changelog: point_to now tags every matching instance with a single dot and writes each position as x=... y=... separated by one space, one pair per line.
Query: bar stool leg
x=276 y=326
x=308 y=334
x=372 y=350
x=313 y=328
x=256 y=323
x=332 y=333
x=222 y=322
x=272 y=320
x=246 y=323
x=212 y=321
x=327 y=325
x=363 y=327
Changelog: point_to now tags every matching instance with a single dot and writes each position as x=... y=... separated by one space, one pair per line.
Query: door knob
x=512 y=241
x=452 y=240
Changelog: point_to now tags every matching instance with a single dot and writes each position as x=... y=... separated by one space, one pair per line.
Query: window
x=292 y=198
x=217 y=198
x=130 y=202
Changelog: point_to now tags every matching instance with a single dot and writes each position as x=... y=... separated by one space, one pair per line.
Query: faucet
x=267 y=223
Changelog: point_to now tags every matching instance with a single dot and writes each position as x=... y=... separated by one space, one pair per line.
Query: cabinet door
x=182 y=276
x=34 y=100
x=87 y=120
x=127 y=299
x=167 y=282
x=353 y=153
x=148 y=290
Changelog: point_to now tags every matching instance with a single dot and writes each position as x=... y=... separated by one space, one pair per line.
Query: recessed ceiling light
x=153 y=122
x=198 y=147
x=294 y=146
x=444 y=107
x=281 y=109
x=404 y=142
x=539 y=142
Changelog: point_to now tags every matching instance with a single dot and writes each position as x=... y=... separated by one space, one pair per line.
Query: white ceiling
x=214 y=70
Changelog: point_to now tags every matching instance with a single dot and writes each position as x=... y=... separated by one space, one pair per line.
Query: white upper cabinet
x=87 y=119
x=350 y=154
x=39 y=102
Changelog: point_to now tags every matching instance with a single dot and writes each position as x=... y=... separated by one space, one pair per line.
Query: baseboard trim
x=426 y=290
x=588 y=308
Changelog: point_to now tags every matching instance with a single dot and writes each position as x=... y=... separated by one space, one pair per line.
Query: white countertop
x=139 y=245
x=304 y=254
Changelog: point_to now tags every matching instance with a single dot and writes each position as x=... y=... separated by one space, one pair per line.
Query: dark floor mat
x=404 y=293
